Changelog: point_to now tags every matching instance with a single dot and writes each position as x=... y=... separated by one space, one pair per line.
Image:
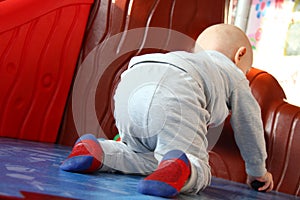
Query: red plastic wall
x=39 y=46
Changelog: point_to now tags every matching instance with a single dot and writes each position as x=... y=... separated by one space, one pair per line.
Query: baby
x=163 y=107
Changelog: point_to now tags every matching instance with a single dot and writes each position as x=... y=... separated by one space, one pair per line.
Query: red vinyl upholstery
x=108 y=19
x=39 y=46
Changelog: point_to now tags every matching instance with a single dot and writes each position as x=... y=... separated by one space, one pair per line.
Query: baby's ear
x=241 y=59
x=239 y=54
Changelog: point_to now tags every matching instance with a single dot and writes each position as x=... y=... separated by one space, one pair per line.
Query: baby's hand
x=267 y=179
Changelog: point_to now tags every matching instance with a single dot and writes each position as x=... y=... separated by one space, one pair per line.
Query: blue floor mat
x=30 y=170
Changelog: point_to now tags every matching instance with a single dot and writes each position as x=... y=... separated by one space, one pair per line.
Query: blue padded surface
x=33 y=168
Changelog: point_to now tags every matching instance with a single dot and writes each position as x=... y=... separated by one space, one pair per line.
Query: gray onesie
x=168 y=101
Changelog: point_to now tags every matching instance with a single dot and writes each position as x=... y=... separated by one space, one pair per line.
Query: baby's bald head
x=229 y=40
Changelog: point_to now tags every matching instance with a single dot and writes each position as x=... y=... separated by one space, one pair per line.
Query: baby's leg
x=90 y=155
x=187 y=133
x=121 y=158
x=177 y=118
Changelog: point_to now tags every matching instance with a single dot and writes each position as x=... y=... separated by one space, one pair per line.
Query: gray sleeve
x=248 y=129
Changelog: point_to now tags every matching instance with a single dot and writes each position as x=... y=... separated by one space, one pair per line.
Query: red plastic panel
x=39 y=46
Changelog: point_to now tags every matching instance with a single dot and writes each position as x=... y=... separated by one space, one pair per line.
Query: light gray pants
x=158 y=108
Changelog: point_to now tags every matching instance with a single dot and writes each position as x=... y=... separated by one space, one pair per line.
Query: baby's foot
x=86 y=155
x=170 y=176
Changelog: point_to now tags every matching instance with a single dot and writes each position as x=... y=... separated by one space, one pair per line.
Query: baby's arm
x=249 y=134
